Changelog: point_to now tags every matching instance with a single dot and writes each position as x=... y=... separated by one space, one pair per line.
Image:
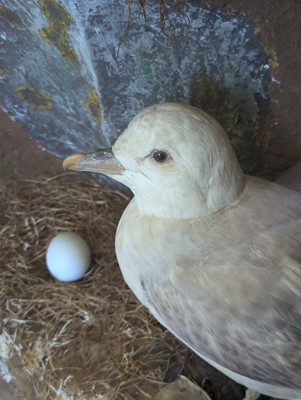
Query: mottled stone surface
x=76 y=72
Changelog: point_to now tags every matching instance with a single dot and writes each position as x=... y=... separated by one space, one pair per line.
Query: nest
x=90 y=339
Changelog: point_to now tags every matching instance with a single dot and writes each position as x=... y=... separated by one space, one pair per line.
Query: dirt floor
x=20 y=156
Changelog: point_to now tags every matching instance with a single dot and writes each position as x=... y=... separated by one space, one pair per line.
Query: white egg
x=68 y=257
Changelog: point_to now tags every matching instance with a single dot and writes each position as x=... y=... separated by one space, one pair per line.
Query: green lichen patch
x=92 y=103
x=56 y=32
x=9 y=15
x=34 y=97
x=146 y=67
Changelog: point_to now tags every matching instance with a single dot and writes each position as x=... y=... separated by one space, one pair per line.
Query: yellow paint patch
x=273 y=59
x=56 y=32
x=56 y=35
x=34 y=97
x=257 y=29
x=68 y=52
x=10 y=15
x=92 y=103
x=55 y=12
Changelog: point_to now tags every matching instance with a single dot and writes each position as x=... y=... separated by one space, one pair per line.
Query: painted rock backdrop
x=75 y=72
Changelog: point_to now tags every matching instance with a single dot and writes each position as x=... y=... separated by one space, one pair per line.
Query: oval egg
x=68 y=257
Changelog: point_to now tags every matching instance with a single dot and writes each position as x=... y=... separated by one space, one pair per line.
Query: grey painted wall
x=75 y=72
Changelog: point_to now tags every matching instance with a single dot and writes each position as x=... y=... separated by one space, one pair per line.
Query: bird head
x=176 y=159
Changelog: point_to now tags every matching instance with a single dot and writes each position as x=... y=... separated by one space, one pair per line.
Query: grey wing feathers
x=233 y=294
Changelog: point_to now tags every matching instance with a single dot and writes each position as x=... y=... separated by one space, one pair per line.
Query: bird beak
x=100 y=161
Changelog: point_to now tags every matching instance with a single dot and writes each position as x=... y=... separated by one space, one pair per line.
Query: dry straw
x=85 y=340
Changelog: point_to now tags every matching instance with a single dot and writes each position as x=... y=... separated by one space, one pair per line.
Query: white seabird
x=215 y=255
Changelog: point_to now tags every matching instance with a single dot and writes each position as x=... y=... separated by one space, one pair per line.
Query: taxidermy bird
x=215 y=255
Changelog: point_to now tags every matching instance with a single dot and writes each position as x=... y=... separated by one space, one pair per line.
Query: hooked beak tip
x=100 y=161
x=71 y=162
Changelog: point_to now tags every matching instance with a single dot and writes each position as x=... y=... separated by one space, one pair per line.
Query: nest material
x=90 y=339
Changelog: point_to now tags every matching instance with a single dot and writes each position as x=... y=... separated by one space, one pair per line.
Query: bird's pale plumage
x=213 y=254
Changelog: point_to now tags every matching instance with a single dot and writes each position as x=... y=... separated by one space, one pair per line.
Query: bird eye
x=160 y=156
